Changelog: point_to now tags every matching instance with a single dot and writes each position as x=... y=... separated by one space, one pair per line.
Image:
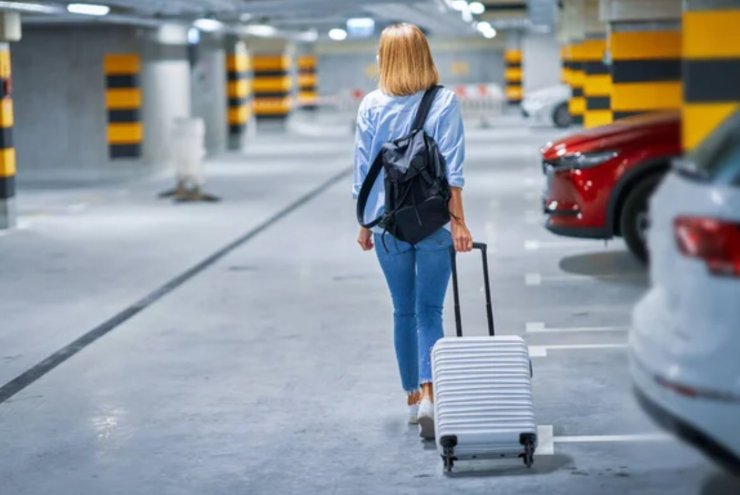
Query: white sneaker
x=414 y=414
x=426 y=419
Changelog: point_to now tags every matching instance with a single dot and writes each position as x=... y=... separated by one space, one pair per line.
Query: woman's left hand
x=461 y=237
x=365 y=239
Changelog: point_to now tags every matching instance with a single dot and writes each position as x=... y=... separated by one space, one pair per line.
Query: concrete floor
x=271 y=370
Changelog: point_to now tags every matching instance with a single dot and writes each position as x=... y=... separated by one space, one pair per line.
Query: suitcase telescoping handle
x=456 y=291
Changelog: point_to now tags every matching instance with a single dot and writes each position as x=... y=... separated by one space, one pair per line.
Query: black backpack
x=416 y=189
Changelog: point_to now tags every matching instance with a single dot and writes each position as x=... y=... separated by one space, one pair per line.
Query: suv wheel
x=561 y=116
x=634 y=221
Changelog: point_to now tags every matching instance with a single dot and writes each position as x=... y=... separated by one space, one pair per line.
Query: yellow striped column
x=123 y=102
x=597 y=83
x=238 y=91
x=513 y=76
x=711 y=64
x=7 y=148
x=307 y=82
x=272 y=86
x=646 y=68
x=565 y=64
x=577 y=103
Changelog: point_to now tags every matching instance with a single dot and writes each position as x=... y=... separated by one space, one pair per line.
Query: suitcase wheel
x=529 y=445
x=448 y=444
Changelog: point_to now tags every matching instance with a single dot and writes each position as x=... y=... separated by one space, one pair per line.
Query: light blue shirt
x=382 y=118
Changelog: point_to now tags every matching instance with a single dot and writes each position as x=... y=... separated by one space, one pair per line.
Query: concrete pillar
x=166 y=89
x=572 y=32
x=123 y=105
x=597 y=84
x=273 y=85
x=208 y=98
x=711 y=66
x=645 y=46
x=541 y=63
x=10 y=26
x=308 y=84
x=238 y=92
x=513 y=74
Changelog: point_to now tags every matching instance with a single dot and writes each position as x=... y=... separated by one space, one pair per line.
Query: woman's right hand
x=365 y=239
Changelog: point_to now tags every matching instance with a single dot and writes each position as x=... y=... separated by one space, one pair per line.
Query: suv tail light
x=717 y=242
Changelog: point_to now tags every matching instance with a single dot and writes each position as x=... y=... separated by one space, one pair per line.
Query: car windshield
x=718 y=157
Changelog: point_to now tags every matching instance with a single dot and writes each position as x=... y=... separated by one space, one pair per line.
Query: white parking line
x=532 y=245
x=542 y=350
x=539 y=279
x=546 y=439
x=540 y=327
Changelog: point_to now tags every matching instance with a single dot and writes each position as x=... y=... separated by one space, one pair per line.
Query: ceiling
x=436 y=16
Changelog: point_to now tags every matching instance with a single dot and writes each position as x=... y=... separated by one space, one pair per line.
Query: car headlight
x=585 y=160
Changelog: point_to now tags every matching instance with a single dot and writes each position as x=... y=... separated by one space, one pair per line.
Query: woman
x=417 y=275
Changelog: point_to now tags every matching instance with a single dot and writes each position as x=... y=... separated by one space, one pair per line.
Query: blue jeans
x=417 y=277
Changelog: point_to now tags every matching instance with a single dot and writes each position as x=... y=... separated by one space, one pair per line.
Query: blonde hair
x=406 y=63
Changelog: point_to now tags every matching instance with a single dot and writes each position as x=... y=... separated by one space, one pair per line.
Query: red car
x=599 y=180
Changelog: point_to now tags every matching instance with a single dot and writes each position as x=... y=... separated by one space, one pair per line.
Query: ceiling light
x=88 y=9
x=208 y=25
x=360 y=27
x=260 y=30
x=486 y=29
x=338 y=34
x=29 y=7
x=459 y=4
x=311 y=35
x=477 y=8
x=490 y=34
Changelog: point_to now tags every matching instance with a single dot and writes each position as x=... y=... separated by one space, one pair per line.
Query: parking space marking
x=539 y=279
x=532 y=245
x=546 y=439
x=540 y=327
x=543 y=350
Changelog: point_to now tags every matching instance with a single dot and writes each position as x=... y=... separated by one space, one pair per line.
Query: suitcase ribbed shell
x=483 y=394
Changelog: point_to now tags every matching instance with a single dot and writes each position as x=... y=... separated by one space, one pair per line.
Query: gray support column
x=239 y=98
x=166 y=89
x=208 y=90
x=9 y=31
x=541 y=61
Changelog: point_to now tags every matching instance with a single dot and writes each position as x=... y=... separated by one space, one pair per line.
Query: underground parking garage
x=194 y=298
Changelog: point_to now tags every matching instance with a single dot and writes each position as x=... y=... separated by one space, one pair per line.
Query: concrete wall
x=352 y=65
x=541 y=62
x=59 y=96
x=208 y=90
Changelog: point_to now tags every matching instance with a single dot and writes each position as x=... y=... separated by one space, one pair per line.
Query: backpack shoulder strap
x=424 y=107
x=367 y=186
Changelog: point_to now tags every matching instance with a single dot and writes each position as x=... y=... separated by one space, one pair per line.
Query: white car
x=685 y=339
x=548 y=105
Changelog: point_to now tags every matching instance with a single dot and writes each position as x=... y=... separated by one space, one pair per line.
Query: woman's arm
x=461 y=236
x=363 y=141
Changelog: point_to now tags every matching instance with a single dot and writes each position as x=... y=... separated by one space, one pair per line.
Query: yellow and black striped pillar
x=7 y=148
x=513 y=75
x=565 y=64
x=238 y=91
x=577 y=103
x=646 y=68
x=711 y=65
x=273 y=86
x=123 y=102
x=597 y=83
x=307 y=82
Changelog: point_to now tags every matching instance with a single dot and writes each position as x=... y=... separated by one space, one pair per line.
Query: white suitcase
x=482 y=391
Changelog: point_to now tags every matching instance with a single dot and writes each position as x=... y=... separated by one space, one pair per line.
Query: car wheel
x=561 y=116
x=634 y=221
